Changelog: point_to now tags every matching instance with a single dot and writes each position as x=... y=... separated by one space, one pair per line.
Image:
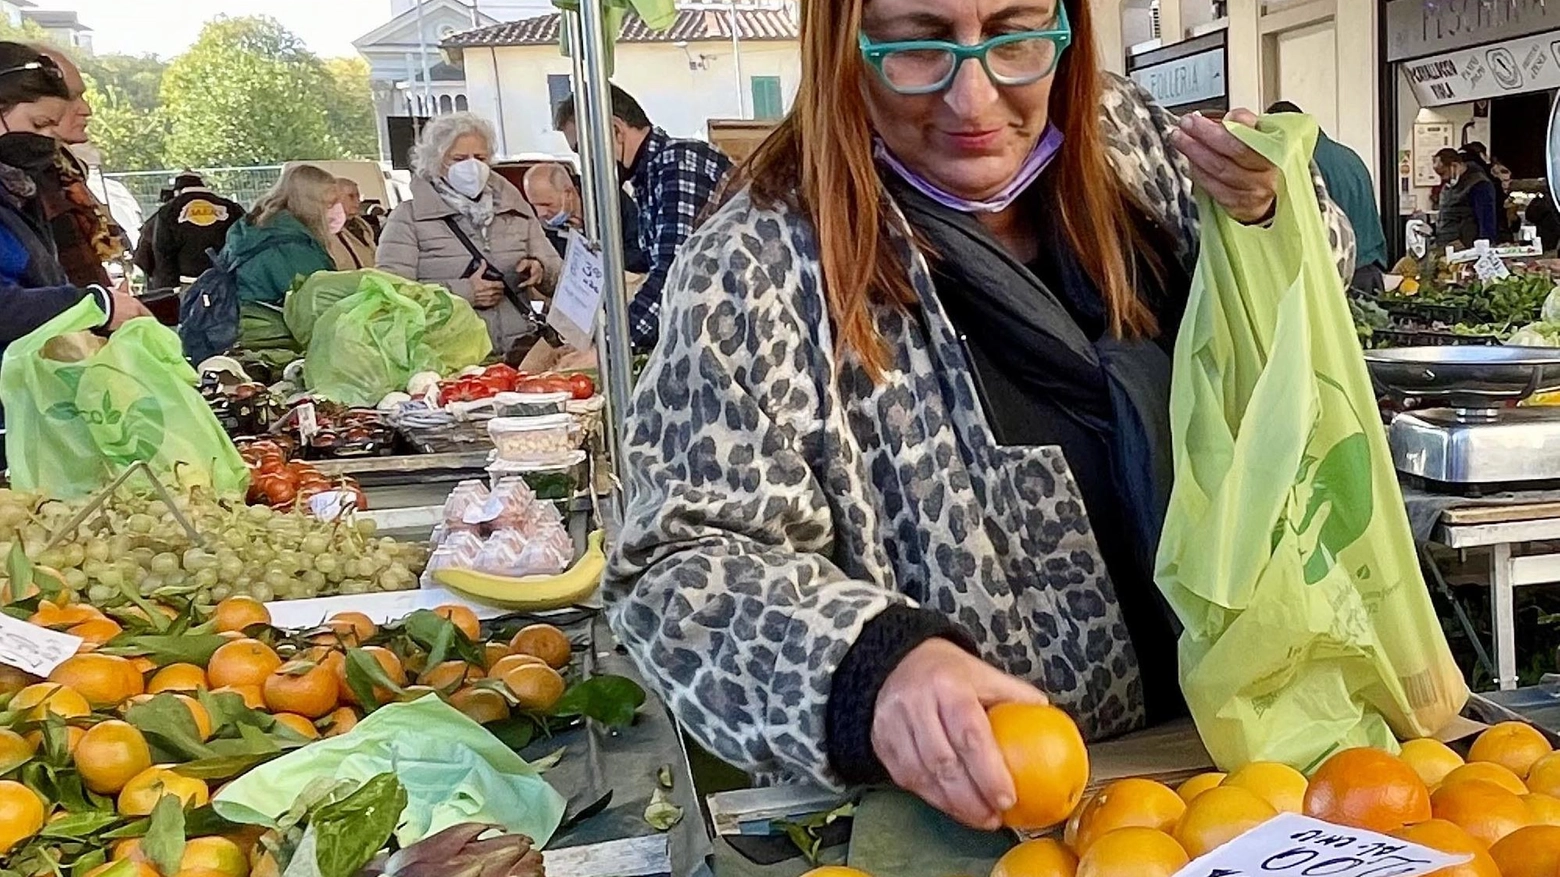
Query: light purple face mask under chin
x=1039 y=159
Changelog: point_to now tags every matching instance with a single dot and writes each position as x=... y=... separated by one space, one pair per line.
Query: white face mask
x=468 y=177
x=336 y=218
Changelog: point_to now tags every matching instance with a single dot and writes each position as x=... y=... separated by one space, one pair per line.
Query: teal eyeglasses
x=929 y=66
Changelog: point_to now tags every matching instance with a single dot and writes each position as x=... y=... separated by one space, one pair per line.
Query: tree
x=349 y=108
x=128 y=123
x=248 y=92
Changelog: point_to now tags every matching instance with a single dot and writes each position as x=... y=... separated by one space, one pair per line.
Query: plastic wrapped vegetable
x=1536 y=335
x=455 y=333
x=367 y=345
x=319 y=293
x=1550 y=313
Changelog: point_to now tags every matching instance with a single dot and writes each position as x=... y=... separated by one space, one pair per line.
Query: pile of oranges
x=302 y=682
x=1501 y=805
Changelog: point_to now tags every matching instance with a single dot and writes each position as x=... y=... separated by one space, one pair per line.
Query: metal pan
x=1465 y=377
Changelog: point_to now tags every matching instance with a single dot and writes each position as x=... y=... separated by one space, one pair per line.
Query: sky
x=166 y=27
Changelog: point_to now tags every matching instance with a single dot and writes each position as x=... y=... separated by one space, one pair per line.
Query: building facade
x=684 y=77
x=63 y=27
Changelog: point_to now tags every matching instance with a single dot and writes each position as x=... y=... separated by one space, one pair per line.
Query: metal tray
x=1465 y=376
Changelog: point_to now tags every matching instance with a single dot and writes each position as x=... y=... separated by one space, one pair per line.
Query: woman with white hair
x=470 y=230
x=285 y=236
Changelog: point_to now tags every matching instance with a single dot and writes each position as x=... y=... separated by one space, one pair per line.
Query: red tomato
x=582 y=386
x=546 y=385
x=501 y=372
x=278 y=489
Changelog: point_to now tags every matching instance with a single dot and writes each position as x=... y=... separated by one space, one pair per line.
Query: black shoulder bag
x=478 y=259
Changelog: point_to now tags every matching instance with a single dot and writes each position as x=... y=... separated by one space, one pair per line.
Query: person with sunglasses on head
x=34 y=287
x=903 y=451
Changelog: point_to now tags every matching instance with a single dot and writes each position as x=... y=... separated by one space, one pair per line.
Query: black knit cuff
x=883 y=643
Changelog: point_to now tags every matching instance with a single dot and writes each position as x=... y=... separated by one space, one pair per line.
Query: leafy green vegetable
x=610 y=700
x=349 y=832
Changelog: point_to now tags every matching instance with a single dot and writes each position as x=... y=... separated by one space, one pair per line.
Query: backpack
x=208 y=313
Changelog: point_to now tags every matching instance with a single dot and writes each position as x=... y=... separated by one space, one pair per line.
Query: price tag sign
x=1299 y=846
x=331 y=504
x=35 y=649
x=1491 y=267
x=577 y=300
x=308 y=422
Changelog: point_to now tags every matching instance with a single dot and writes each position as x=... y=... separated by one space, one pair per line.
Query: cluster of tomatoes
x=276 y=481
x=501 y=378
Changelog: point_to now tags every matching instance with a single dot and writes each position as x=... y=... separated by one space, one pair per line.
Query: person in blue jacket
x=33 y=285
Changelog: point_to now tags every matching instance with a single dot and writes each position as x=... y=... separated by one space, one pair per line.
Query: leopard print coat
x=780 y=499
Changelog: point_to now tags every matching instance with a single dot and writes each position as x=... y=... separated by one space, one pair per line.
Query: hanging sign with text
x=1299 y=846
x=1513 y=67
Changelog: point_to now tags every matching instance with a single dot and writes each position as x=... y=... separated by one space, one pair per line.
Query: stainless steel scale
x=1473 y=438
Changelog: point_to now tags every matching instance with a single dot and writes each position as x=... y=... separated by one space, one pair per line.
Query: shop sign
x=1513 y=67
x=1190 y=80
x=1424 y=27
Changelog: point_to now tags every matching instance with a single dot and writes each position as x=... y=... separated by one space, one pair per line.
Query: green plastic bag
x=72 y=427
x=315 y=295
x=1286 y=551
x=455 y=333
x=367 y=345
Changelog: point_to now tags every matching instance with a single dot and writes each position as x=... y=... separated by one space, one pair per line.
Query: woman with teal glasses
x=902 y=453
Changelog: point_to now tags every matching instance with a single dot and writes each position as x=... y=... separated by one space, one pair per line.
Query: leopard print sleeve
x=721 y=585
x=1157 y=175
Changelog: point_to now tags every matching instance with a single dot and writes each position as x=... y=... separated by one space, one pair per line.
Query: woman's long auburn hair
x=820 y=157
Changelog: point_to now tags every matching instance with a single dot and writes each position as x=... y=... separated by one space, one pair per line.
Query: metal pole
x=616 y=356
x=736 y=55
x=422 y=49
x=582 y=112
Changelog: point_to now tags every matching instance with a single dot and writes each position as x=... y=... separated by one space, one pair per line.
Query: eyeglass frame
x=875 y=53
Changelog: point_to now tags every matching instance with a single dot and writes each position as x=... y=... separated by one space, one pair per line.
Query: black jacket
x=185 y=229
x=634 y=259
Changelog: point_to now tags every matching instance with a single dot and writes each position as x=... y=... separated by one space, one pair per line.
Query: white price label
x=331 y=504
x=1299 y=846
x=35 y=649
x=578 y=297
x=1491 y=267
x=308 y=422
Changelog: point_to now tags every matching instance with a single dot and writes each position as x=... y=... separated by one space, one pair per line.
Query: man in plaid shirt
x=673 y=181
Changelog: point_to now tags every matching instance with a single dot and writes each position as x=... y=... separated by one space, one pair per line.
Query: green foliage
x=249 y=92
x=349 y=107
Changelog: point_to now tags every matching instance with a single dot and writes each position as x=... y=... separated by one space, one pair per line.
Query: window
x=445 y=104
x=559 y=87
x=460 y=103
x=768 y=102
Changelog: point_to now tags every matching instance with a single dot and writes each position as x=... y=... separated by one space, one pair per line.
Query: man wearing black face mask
x=673 y=180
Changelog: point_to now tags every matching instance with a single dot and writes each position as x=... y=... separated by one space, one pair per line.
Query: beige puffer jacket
x=417 y=244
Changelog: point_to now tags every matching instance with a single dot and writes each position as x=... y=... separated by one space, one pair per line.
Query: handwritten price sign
x=577 y=299
x=1299 y=846
x=35 y=649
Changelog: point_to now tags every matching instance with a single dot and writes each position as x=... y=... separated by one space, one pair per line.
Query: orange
x=509 y=662
x=238 y=613
x=1075 y=821
x=241 y=662
x=1199 y=784
x=1545 y=775
x=95 y=632
x=21 y=814
x=1367 y=788
x=128 y=849
x=352 y=628
x=1218 y=816
x=177 y=677
x=253 y=696
x=835 y=871
x=1438 y=834
x=1045 y=754
x=1431 y=759
x=50 y=697
x=1126 y=804
x=1037 y=858
x=449 y=676
x=387 y=662
x=137 y=869
x=1545 y=809
x=1133 y=852
x=1516 y=746
x=1529 y=852
x=481 y=705
x=535 y=688
x=13 y=680
x=143 y=665
x=111 y=754
x=142 y=793
x=61 y=617
x=198 y=713
x=214 y=854
x=342 y=720
x=15 y=750
x=1483 y=809
x=302 y=687
x=106 y=681
x=200 y=872
x=303 y=726
x=545 y=642
x=73 y=737
x=492 y=653
x=1488 y=772
x=463 y=618
x=1278 y=784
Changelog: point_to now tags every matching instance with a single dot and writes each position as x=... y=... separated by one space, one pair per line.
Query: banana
x=534 y=593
